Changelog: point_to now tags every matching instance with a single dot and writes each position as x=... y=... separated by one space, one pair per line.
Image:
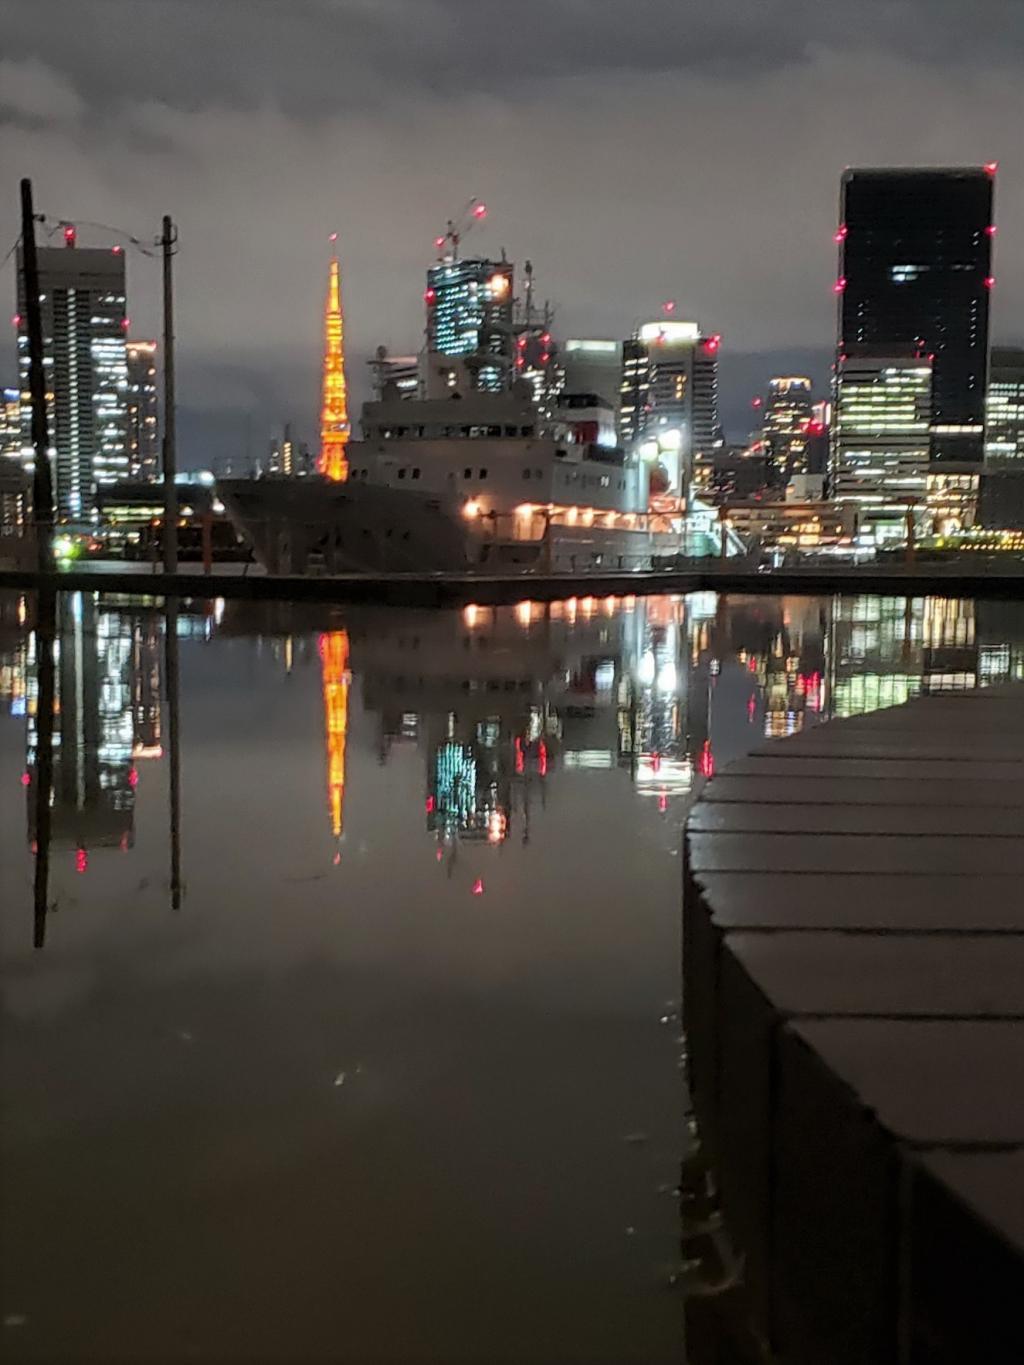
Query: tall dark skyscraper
x=915 y=276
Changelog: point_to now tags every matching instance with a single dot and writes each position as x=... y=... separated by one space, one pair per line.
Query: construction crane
x=448 y=243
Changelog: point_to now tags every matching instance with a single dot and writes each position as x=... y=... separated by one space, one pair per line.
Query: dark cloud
x=662 y=148
x=315 y=56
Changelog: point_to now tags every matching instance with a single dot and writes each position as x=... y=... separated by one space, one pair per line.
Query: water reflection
x=419 y=1006
x=497 y=700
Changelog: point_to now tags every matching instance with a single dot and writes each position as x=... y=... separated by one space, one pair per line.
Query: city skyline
x=747 y=248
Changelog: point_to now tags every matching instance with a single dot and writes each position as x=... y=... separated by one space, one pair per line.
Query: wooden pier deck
x=854 y=1006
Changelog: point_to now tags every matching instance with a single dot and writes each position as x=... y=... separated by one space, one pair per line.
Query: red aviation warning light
x=335 y=428
x=839 y=285
x=480 y=211
x=991 y=167
x=70 y=235
x=712 y=344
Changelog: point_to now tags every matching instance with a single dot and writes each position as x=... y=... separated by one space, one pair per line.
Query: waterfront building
x=469 y=315
x=144 y=460
x=594 y=366
x=787 y=416
x=1004 y=410
x=915 y=278
x=880 y=431
x=668 y=399
x=10 y=423
x=287 y=456
x=82 y=299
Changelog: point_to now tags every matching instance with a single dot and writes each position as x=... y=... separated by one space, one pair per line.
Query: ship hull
x=312 y=526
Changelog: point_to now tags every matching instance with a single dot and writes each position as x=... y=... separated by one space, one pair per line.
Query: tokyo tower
x=334 y=666
x=335 y=429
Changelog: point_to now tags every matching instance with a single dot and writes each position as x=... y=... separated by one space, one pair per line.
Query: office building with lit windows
x=469 y=316
x=881 y=425
x=143 y=444
x=1001 y=504
x=1004 y=409
x=668 y=398
x=82 y=298
x=10 y=423
x=788 y=413
x=915 y=279
x=594 y=366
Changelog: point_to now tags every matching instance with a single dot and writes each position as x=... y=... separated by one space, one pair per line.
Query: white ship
x=473 y=482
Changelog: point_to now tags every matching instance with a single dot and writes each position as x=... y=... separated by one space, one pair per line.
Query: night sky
x=634 y=152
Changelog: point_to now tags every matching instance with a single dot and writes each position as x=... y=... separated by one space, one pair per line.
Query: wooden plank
x=856 y=791
x=853 y=854
x=861 y=902
x=937 y=820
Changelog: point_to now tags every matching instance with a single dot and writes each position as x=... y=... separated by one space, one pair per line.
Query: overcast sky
x=633 y=151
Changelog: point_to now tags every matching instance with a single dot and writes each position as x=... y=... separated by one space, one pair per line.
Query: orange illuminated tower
x=334 y=665
x=334 y=424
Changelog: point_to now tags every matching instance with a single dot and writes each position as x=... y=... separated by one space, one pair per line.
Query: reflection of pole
x=173 y=743
x=42 y=487
x=46 y=682
x=167 y=241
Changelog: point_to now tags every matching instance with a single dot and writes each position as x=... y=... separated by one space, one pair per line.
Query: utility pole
x=167 y=242
x=42 y=484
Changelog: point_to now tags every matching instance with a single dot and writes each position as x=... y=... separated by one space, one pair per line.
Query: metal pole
x=167 y=241
x=172 y=680
x=43 y=776
x=42 y=485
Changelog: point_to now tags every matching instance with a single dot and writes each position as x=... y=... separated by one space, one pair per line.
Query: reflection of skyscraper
x=889 y=649
x=146 y=691
x=469 y=790
x=336 y=679
x=93 y=774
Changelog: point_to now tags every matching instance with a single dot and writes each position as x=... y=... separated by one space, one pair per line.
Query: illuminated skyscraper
x=1004 y=435
x=469 y=315
x=787 y=414
x=335 y=429
x=915 y=278
x=10 y=422
x=82 y=296
x=669 y=394
x=143 y=447
x=880 y=431
x=336 y=679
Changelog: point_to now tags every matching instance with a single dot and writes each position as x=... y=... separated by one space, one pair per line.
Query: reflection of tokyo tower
x=334 y=424
x=334 y=664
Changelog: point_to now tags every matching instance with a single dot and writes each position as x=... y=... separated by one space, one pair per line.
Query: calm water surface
x=366 y=1047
